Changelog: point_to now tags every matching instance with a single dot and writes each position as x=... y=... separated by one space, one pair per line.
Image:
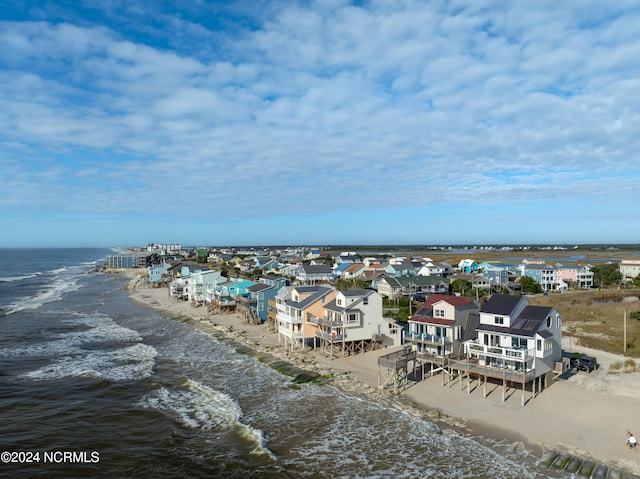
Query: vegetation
x=461 y=286
x=345 y=284
x=626 y=366
x=530 y=285
x=595 y=319
x=399 y=309
x=607 y=274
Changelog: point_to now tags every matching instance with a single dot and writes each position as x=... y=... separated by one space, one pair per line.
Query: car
x=586 y=363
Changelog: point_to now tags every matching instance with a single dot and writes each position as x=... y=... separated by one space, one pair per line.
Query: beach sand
x=583 y=414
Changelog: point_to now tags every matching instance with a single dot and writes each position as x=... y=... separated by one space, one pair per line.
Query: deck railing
x=515 y=354
x=429 y=338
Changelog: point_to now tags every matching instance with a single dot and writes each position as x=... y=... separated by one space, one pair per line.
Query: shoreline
x=584 y=415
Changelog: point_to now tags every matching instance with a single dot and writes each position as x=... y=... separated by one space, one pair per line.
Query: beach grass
x=595 y=319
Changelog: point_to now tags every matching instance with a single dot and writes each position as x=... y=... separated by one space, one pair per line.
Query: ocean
x=92 y=385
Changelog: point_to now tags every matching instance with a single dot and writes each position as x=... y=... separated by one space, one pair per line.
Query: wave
x=201 y=407
x=51 y=292
x=102 y=349
x=10 y=279
x=120 y=365
x=62 y=280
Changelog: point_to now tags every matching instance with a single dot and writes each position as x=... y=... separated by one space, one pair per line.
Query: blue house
x=158 y=273
x=546 y=275
x=468 y=266
x=235 y=287
x=405 y=268
x=260 y=294
x=497 y=274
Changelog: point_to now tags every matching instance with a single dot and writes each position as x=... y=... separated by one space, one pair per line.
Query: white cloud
x=324 y=105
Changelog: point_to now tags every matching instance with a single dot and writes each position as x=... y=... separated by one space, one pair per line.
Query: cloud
x=318 y=106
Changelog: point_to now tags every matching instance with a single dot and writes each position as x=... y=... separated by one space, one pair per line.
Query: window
x=539 y=345
x=438 y=313
x=548 y=321
x=498 y=320
x=365 y=300
x=352 y=318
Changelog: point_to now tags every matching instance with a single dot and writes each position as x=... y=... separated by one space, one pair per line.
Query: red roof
x=436 y=298
x=452 y=300
x=440 y=321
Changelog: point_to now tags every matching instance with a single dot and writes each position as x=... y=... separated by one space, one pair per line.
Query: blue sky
x=326 y=122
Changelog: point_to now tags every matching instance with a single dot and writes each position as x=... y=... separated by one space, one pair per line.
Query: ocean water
x=92 y=385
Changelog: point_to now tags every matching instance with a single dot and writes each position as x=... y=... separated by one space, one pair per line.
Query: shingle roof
x=449 y=298
x=258 y=287
x=501 y=304
x=357 y=292
x=528 y=322
x=317 y=268
x=318 y=292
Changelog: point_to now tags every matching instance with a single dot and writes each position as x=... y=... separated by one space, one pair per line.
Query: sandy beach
x=583 y=414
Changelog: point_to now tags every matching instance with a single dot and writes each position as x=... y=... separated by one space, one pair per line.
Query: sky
x=319 y=122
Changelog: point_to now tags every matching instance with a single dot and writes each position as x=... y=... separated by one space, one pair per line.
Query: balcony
x=428 y=338
x=286 y=318
x=333 y=338
x=325 y=322
x=497 y=352
x=283 y=316
x=297 y=334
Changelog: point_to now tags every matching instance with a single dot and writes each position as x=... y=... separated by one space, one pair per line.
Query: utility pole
x=625 y=330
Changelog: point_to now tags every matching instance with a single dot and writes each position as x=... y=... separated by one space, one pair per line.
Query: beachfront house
x=353 y=323
x=200 y=283
x=394 y=288
x=179 y=279
x=295 y=305
x=127 y=261
x=440 y=327
x=524 y=342
x=236 y=287
x=157 y=274
x=258 y=296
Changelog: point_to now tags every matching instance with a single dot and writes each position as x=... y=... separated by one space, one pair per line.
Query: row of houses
x=315 y=267
x=303 y=316
x=504 y=338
